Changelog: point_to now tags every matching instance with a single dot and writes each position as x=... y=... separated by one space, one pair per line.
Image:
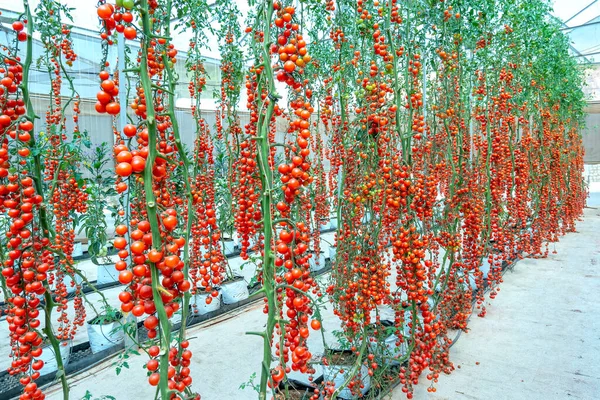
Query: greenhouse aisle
x=541 y=336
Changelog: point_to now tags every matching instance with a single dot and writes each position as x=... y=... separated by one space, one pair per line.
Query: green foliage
x=108 y=316
x=121 y=362
x=250 y=383
x=223 y=199
x=90 y=396
x=99 y=188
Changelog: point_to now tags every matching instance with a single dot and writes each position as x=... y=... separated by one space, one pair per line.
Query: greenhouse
x=306 y=200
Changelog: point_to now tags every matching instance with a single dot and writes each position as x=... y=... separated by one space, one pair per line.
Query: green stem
x=172 y=81
x=352 y=373
x=266 y=176
x=164 y=323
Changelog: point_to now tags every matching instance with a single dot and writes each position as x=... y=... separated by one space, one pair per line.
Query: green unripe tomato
x=119 y=3
x=128 y=4
x=103 y=251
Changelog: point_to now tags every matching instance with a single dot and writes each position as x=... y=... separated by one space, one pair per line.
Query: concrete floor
x=539 y=340
x=541 y=336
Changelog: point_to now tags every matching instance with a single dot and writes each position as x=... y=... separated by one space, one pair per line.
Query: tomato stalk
x=157 y=289
x=266 y=199
x=355 y=368
x=172 y=82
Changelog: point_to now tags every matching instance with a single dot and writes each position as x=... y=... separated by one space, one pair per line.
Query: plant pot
x=391 y=352
x=77 y=250
x=387 y=351
x=177 y=317
x=234 y=291
x=252 y=245
x=314 y=265
x=367 y=217
x=199 y=305
x=332 y=253
x=299 y=379
x=228 y=247
x=104 y=336
x=485 y=267
x=331 y=373
x=237 y=239
x=107 y=273
x=49 y=358
x=333 y=223
x=325 y=225
x=295 y=390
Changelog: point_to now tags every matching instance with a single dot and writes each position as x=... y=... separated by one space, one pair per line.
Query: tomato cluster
x=107 y=102
x=247 y=187
x=178 y=371
x=291 y=47
x=119 y=19
x=139 y=300
x=29 y=259
x=207 y=264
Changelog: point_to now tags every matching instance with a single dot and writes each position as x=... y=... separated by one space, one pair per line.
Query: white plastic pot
x=199 y=306
x=67 y=280
x=49 y=358
x=104 y=337
x=107 y=273
x=314 y=266
x=303 y=378
x=485 y=267
x=333 y=223
x=332 y=253
x=235 y=291
x=176 y=317
x=325 y=225
x=228 y=247
x=367 y=218
x=332 y=373
x=77 y=250
x=237 y=240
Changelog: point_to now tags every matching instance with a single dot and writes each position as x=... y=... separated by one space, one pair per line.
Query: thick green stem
x=266 y=177
x=164 y=323
x=172 y=82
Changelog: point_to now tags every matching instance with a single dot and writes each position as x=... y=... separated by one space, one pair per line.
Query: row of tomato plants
x=446 y=131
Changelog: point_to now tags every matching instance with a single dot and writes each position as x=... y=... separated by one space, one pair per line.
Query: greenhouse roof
x=581 y=21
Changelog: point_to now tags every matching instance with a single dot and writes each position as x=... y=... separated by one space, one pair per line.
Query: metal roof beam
x=582 y=10
x=580 y=26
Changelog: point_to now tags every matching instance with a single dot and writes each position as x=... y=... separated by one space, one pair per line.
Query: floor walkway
x=541 y=336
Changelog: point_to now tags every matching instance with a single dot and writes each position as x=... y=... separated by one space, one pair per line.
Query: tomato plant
x=444 y=137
